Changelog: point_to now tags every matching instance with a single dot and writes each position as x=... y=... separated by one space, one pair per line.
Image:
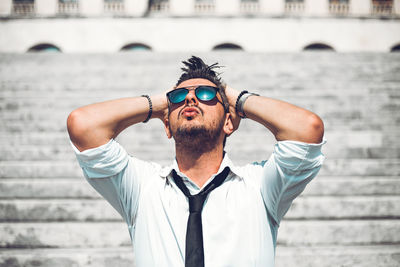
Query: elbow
x=76 y=126
x=315 y=129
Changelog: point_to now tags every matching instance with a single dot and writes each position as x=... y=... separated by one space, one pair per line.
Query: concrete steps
x=65 y=169
x=327 y=256
x=68 y=257
x=305 y=207
x=114 y=234
x=53 y=146
x=63 y=152
x=53 y=188
x=356 y=124
x=348 y=216
x=24 y=101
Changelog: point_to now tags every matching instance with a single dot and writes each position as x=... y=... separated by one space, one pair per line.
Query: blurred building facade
x=101 y=26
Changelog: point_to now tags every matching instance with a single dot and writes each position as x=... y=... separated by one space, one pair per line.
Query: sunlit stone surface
x=348 y=216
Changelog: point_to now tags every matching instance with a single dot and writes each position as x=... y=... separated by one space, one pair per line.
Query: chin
x=189 y=125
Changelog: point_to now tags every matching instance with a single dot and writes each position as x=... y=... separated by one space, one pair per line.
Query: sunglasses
x=202 y=92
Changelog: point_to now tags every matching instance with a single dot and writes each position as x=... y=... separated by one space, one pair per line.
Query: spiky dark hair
x=196 y=68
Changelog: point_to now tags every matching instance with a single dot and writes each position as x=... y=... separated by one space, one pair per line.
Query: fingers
x=160 y=106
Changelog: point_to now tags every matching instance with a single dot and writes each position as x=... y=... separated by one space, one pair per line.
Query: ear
x=228 y=126
x=166 y=128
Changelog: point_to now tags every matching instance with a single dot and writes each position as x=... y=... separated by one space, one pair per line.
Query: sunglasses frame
x=195 y=91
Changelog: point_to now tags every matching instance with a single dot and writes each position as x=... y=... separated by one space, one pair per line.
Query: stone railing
x=294 y=7
x=31 y=8
x=70 y=7
x=23 y=8
x=249 y=7
x=114 y=7
x=382 y=7
x=204 y=7
x=160 y=7
x=337 y=8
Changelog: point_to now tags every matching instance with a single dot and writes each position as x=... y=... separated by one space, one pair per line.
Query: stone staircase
x=348 y=216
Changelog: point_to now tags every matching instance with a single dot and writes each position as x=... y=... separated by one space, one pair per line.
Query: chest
x=234 y=206
x=234 y=222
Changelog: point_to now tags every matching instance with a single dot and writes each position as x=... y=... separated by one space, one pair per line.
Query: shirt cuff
x=298 y=156
x=103 y=161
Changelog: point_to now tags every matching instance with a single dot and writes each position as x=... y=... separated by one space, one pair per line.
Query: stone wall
x=109 y=35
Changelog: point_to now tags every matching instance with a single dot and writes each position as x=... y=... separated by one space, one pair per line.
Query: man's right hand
x=160 y=106
x=232 y=95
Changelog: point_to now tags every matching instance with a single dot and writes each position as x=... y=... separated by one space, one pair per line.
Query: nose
x=191 y=98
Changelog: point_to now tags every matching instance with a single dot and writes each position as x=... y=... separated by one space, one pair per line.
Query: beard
x=198 y=139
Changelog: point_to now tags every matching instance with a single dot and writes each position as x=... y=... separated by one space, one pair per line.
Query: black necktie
x=194 y=256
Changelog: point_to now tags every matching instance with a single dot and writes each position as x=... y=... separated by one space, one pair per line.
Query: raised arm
x=284 y=120
x=94 y=125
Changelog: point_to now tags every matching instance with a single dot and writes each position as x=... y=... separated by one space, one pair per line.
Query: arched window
x=395 y=48
x=227 y=46
x=136 y=47
x=44 y=48
x=318 y=47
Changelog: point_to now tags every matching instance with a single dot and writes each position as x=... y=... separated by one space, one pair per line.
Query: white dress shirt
x=240 y=218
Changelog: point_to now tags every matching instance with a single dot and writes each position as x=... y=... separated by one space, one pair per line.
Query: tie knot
x=196 y=202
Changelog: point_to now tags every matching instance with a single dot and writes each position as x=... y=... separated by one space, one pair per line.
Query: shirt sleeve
x=290 y=168
x=115 y=175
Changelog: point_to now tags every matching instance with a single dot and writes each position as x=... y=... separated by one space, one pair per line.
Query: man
x=202 y=210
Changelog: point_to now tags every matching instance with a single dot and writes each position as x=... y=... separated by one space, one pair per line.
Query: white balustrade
x=339 y=8
x=382 y=7
x=249 y=7
x=204 y=7
x=295 y=7
x=160 y=7
x=114 y=7
x=24 y=8
x=68 y=7
x=320 y=8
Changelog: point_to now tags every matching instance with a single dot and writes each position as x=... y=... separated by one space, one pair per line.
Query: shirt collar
x=226 y=162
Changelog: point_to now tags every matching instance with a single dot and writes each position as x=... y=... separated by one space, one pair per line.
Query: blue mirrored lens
x=178 y=95
x=205 y=93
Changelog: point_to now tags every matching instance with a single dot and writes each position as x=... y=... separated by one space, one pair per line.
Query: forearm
x=94 y=125
x=284 y=120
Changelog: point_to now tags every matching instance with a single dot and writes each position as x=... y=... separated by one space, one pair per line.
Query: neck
x=199 y=166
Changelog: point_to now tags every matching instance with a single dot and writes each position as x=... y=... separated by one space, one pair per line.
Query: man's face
x=196 y=120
